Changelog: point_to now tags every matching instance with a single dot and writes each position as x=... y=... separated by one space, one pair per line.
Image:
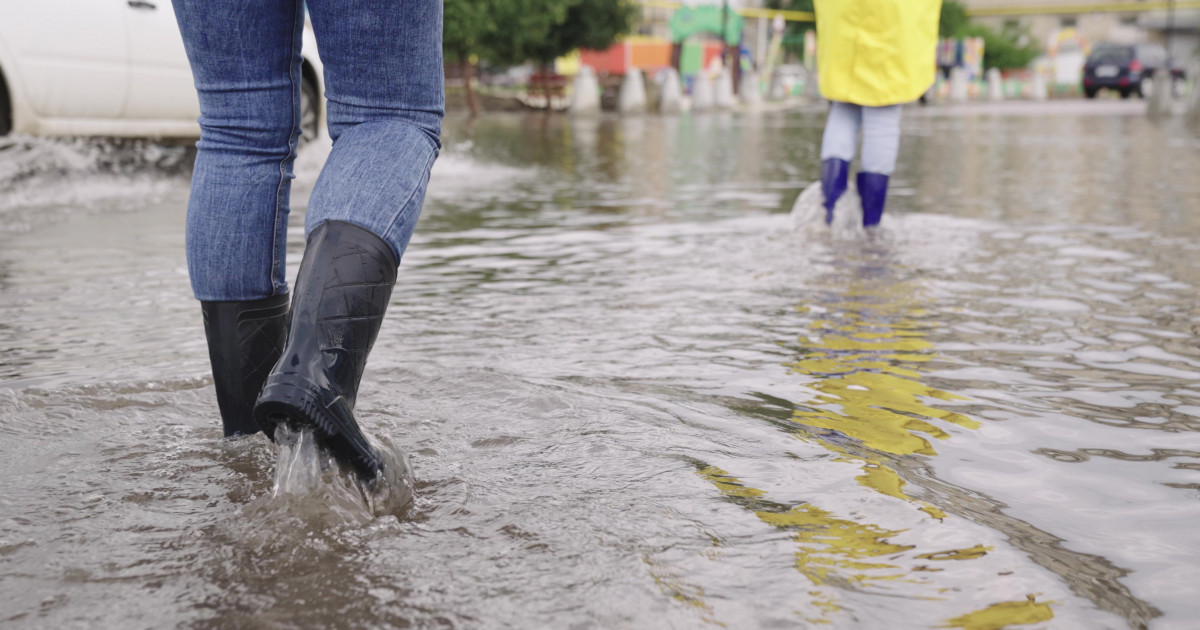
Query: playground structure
x=711 y=20
x=708 y=40
x=702 y=39
x=706 y=51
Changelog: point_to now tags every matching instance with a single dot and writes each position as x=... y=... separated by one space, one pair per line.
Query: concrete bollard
x=775 y=90
x=632 y=99
x=812 y=84
x=724 y=98
x=958 y=84
x=1160 y=95
x=749 y=92
x=586 y=92
x=1037 y=87
x=995 y=85
x=1193 y=102
x=702 y=93
x=671 y=100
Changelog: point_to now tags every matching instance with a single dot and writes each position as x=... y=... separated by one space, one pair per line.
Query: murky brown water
x=634 y=393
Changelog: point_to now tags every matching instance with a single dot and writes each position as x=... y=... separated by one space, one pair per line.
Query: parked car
x=109 y=68
x=1126 y=68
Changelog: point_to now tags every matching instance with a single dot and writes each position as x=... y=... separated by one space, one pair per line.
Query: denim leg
x=841 y=131
x=245 y=58
x=383 y=82
x=881 y=139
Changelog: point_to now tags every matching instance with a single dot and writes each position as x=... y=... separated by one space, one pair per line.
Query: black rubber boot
x=341 y=293
x=245 y=340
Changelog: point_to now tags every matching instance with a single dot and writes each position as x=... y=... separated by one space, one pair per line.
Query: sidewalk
x=1074 y=107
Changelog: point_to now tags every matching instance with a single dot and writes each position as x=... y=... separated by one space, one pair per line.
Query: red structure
x=644 y=53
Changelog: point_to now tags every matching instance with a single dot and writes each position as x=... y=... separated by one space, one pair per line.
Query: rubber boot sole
x=286 y=399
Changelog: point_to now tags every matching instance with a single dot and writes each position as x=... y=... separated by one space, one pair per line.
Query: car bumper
x=1111 y=82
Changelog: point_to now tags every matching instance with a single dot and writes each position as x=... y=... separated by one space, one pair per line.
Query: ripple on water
x=633 y=395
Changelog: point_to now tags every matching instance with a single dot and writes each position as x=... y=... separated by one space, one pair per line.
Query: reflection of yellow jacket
x=876 y=52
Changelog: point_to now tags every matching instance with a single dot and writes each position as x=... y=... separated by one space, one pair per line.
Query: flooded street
x=636 y=390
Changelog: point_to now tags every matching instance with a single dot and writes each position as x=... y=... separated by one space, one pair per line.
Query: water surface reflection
x=633 y=394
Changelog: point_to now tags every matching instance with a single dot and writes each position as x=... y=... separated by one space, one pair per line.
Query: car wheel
x=310 y=105
x=1124 y=93
x=1090 y=92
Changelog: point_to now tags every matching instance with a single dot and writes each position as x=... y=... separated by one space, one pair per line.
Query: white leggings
x=881 y=135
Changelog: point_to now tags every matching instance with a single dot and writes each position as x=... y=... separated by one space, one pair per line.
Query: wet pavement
x=635 y=389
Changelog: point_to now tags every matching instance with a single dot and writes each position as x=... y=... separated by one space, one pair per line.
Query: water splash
x=105 y=173
x=306 y=474
x=808 y=214
x=300 y=462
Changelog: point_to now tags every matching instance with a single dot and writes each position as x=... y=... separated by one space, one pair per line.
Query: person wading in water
x=383 y=78
x=874 y=55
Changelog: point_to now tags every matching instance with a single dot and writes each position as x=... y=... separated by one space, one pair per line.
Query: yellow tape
x=1105 y=7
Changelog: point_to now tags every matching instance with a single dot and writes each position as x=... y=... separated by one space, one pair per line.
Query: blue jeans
x=383 y=82
x=880 y=135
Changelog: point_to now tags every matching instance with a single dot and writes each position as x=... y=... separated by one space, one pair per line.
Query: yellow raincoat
x=876 y=52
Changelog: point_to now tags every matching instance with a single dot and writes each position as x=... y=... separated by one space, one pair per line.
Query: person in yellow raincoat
x=874 y=55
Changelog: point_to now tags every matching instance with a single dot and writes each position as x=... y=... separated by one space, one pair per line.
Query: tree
x=793 y=40
x=1002 y=50
x=953 y=20
x=590 y=24
x=518 y=27
x=501 y=31
x=544 y=30
x=465 y=24
x=509 y=32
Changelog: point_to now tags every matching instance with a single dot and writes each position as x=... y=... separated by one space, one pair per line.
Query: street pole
x=725 y=31
x=725 y=40
x=1170 y=25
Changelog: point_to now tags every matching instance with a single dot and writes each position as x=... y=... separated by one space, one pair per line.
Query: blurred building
x=1044 y=20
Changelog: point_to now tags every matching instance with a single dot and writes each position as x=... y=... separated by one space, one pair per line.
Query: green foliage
x=793 y=34
x=1002 y=50
x=590 y=24
x=953 y=20
x=518 y=26
x=508 y=32
x=464 y=25
x=790 y=5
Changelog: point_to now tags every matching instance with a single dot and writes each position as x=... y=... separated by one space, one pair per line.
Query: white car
x=109 y=68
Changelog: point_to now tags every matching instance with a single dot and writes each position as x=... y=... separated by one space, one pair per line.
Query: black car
x=1126 y=68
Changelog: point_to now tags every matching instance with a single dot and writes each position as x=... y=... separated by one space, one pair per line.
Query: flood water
x=635 y=391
